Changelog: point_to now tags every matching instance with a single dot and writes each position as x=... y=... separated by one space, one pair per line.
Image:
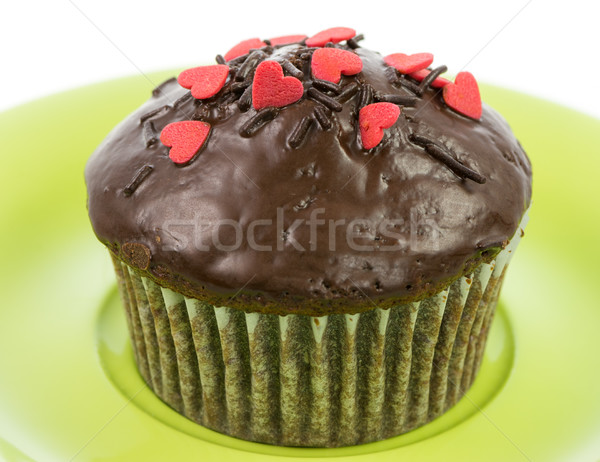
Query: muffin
x=310 y=238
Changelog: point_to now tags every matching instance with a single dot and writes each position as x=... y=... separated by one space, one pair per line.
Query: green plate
x=68 y=386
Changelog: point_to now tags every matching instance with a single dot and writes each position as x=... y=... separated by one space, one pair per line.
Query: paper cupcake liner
x=299 y=380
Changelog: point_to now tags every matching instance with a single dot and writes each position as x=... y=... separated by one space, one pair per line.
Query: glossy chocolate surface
x=314 y=226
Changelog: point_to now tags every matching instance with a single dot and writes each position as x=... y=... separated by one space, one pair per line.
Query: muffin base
x=300 y=380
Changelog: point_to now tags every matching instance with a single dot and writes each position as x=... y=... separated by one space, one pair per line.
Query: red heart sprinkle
x=285 y=39
x=407 y=64
x=271 y=88
x=244 y=47
x=185 y=139
x=439 y=82
x=335 y=35
x=463 y=95
x=205 y=81
x=372 y=119
x=330 y=63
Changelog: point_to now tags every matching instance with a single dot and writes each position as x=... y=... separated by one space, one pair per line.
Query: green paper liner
x=299 y=380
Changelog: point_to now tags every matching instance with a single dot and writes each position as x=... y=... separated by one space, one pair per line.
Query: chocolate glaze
x=444 y=225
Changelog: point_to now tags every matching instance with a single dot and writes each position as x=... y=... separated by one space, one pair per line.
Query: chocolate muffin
x=310 y=238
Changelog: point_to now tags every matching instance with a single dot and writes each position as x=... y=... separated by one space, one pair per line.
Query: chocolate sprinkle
x=266 y=49
x=353 y=42
x=434 y=74
x=154 y=112
x=325 y=85
x=232 y=73
x=300 y=132
x=245 y=100
x=391 y=74
x=158 y=89
x=401 y=100
x=186 y=97
x=410 y=86
x=365 y=96
x=139 y=177
x=239 y=87
x=261 y=118
x=348 y=92
x=322 y=98
x=219 y=59
x=229 y=98
x=247 y=69
x=238 y=60
x=443 y=156
x=291 y=69
x=150 y=134
x=280 y=45
x=322 y=117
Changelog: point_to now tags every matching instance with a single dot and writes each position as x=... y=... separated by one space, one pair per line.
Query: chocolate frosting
x=233 y=227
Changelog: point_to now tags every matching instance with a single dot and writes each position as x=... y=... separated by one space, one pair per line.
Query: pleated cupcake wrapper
x=299 y=380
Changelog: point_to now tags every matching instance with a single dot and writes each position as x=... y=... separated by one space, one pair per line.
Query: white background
x=545 y=48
